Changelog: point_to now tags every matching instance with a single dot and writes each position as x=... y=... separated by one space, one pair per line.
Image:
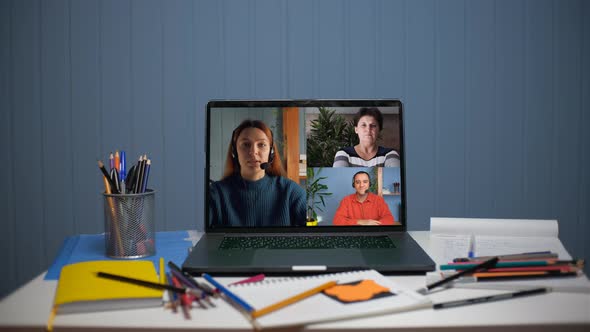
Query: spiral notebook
x=358 y=294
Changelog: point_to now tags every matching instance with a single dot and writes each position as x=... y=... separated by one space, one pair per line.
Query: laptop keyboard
x=306 y=242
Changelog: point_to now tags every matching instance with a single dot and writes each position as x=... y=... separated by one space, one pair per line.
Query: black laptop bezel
x=228 y=103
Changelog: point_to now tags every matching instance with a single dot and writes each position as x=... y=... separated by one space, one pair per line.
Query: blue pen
x=123 y=166
x=228 y=293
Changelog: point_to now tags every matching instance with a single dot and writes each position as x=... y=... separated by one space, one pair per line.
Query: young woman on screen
x=254 y=190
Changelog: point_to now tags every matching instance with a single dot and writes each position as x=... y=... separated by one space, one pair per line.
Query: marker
x=490 y=298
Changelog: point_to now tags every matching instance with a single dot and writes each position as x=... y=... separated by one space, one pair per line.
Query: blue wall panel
x=27 y=137
x=480 y=102
x=419 y=113
x=56 y=118
x=7 y=202
x=496 y=97
x=87 y=128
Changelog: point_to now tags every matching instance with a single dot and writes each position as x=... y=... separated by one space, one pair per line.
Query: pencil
x=229 y=293
x=485 y=265
x=293 y=299
x=162 y=271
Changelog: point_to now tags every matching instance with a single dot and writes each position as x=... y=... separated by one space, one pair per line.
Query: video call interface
x=334 y=162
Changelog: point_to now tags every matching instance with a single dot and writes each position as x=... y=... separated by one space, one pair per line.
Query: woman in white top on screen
x=368 y=122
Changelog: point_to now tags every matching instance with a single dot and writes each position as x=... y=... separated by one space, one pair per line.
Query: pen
x=123 y=170
x=485 y=265
x=229 y=293
x=144 y=283
x=490 y=298
x=106 y=174
x=130 y=181
x=293 y=299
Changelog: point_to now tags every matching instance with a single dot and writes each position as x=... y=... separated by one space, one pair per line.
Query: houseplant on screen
x=329 y=133
x=316 y=191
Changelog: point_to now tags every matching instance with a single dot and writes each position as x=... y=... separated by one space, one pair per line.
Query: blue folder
x=173 y=246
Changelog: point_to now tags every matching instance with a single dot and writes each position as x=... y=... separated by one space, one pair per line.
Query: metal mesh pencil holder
x=130 y=225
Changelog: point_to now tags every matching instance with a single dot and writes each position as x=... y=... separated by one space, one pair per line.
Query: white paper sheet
x=450 y=237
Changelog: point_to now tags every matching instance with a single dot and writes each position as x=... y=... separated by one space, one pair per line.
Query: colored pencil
x=293 y=299
x=485 y=265
x=236 y=299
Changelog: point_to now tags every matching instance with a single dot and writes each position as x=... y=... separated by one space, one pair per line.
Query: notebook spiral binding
x=287 y=279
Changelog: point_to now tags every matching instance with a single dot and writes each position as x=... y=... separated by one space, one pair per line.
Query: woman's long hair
x=232 y=164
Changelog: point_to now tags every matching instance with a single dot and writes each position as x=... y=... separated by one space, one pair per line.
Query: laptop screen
x=307 y=165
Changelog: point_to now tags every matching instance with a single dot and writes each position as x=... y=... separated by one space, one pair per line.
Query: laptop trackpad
x=325 y=257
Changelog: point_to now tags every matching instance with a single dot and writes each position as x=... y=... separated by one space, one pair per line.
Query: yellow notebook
x=80 y=290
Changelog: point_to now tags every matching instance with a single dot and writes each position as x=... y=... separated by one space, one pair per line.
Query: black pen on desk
x=144 y=283
x=490 y=298
x=485 y=265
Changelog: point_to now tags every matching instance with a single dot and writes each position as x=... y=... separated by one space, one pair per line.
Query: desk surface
x=28 y=308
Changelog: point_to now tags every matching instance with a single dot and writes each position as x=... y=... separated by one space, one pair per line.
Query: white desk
x=27 y=309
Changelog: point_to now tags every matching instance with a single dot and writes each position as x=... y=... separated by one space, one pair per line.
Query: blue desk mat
x=173 y=246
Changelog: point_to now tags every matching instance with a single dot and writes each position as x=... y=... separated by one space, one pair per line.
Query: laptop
x=314 y=144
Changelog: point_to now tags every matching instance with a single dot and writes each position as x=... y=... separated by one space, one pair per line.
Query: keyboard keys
x=306 y=242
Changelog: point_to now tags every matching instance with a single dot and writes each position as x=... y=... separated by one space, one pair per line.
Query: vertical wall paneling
x=27 y=129
x=538 y=110
x=419 y=113
x=7 y=202
x=331 y=51
x=450 y=129
x=85 y=92
x=509 y=120
x=301 y=48
x=238 y=44
x=584 y=193
x=209 y=57
x=267 y=50
x=480 y=192
x=116 y=100
x=567 y=89
x=390 y=49
x=496 y=96
x=177 y=188
x=56 y=114
x=147 y=114
x=361 y=25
